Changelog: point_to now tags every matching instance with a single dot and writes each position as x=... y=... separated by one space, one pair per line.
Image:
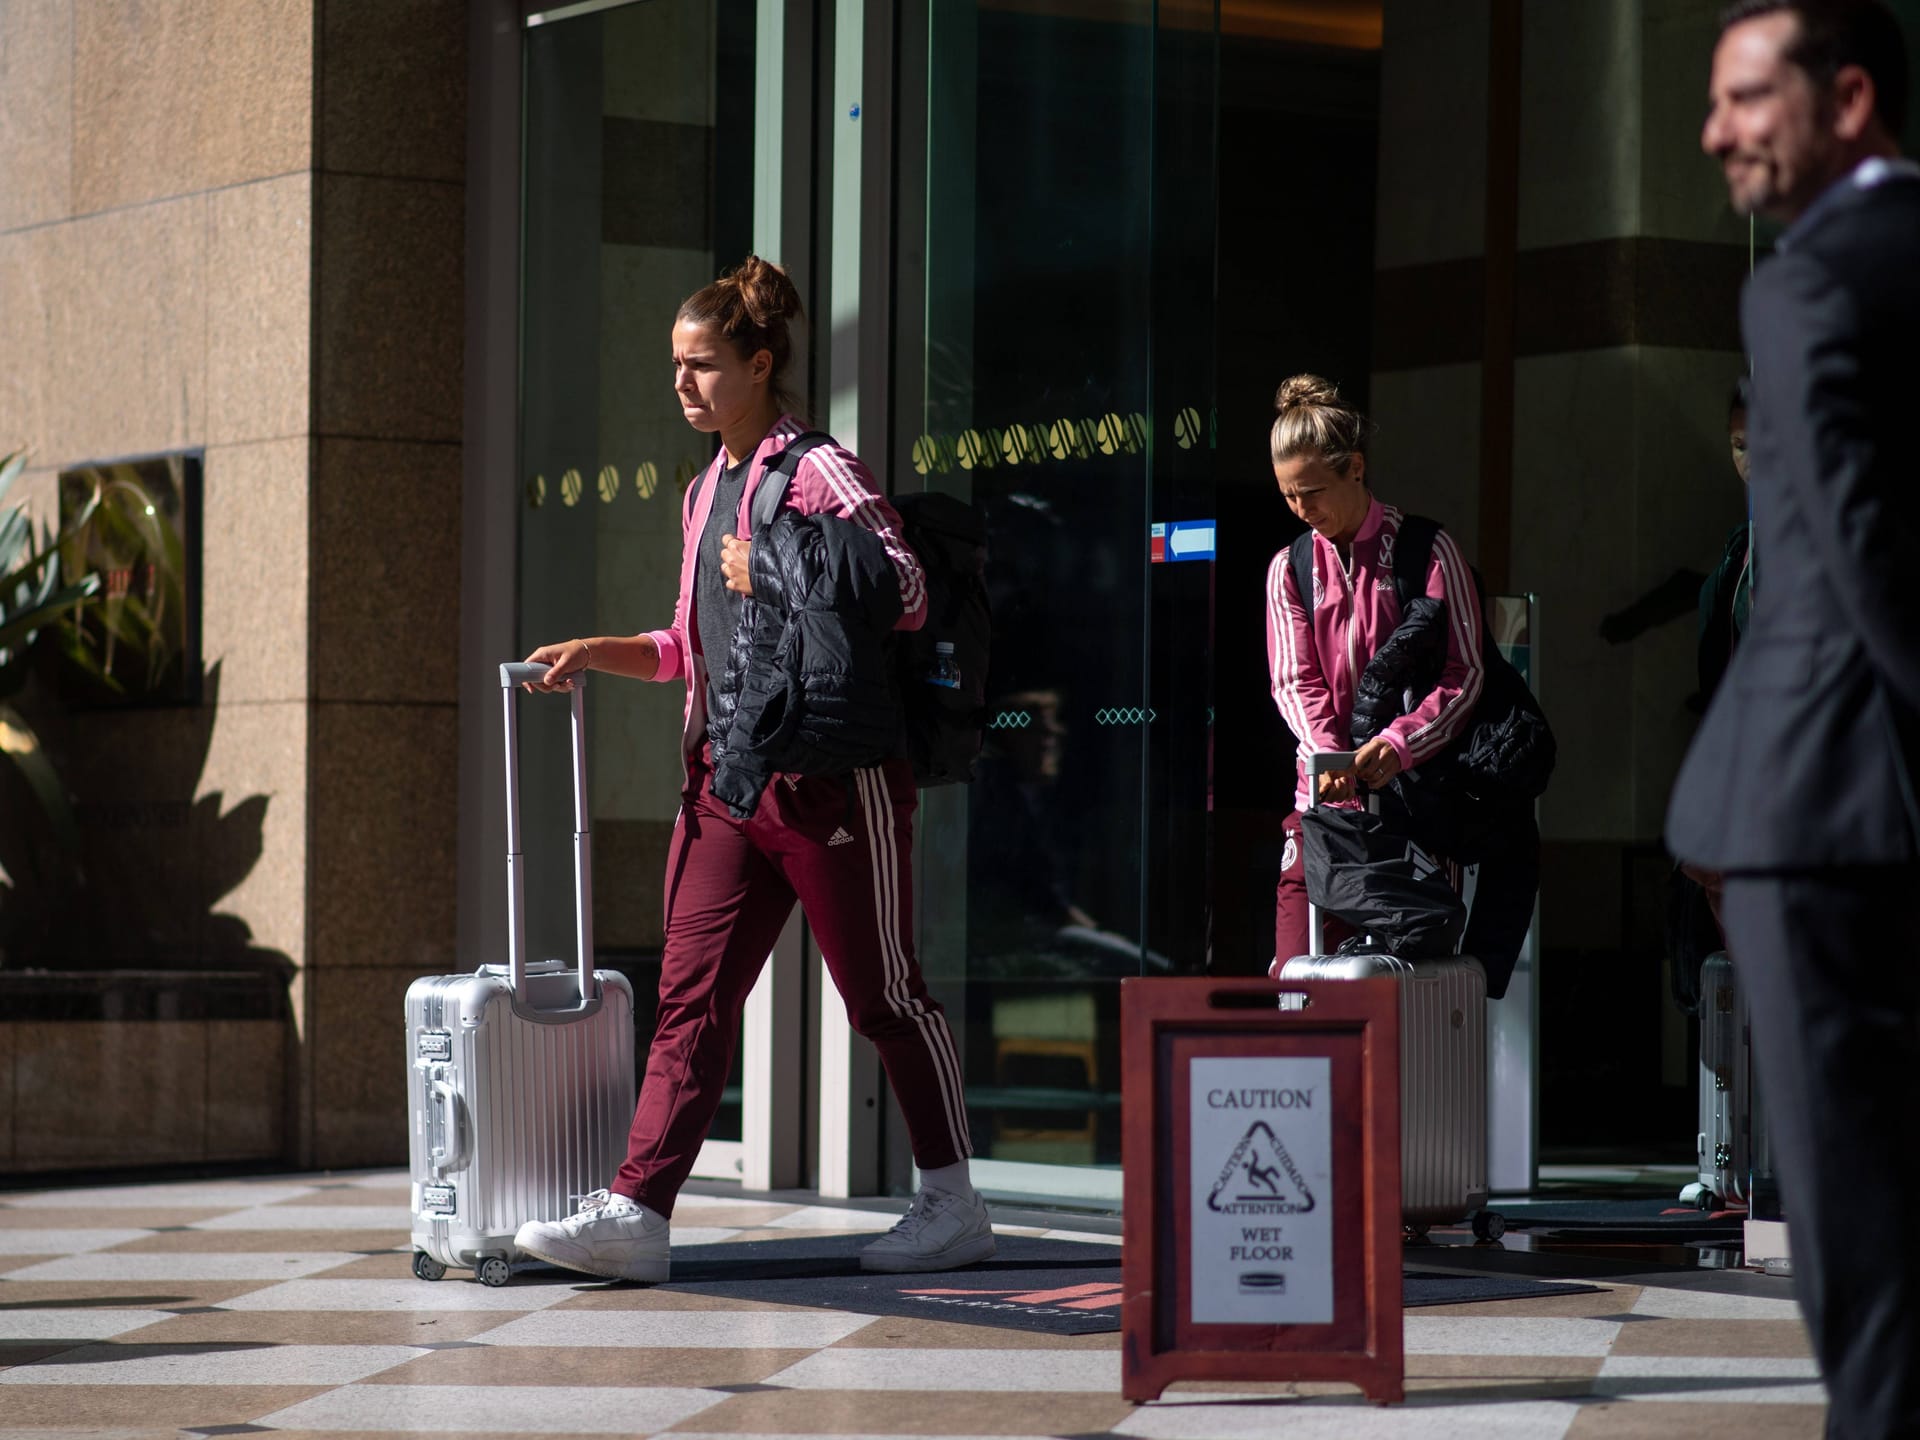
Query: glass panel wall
x=1056 y=371
x=638 y=189
x=1121 y=227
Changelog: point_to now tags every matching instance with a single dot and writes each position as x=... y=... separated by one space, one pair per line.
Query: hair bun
x=1298 y=390
x=765 y=291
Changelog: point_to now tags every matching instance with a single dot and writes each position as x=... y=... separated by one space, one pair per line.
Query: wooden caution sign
x=1262 y=1161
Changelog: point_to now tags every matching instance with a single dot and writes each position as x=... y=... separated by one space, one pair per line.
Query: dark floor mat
x=1439 y=1287
x=1061 y=1287
x=1664 y=1220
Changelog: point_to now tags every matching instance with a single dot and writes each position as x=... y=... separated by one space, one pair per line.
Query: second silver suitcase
x=520 y=1076
x=1443 y=1067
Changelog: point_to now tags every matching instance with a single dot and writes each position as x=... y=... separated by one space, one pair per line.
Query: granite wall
x=236 y=227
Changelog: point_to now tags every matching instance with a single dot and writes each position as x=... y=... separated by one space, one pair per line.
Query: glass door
x=638 y=189
x=1055 y=300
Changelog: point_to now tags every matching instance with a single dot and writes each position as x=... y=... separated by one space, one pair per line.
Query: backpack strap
x=778 y=476
x=1412 y=554
x=1300 y=556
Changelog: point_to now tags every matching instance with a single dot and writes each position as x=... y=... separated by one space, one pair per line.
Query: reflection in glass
x=131 y=523
x=1029 y=391
x=638 y=181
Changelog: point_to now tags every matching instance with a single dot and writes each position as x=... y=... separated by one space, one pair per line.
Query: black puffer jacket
x=1402 y=670
x=807 y=688
x=1469 y=790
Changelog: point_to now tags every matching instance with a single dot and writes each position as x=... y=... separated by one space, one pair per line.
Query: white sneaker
x=940 y=1231
x=608 y=1235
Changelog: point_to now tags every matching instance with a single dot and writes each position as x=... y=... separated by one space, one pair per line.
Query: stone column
x=383 y=648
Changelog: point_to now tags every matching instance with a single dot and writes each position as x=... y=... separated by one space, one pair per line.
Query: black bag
x=941 y=668
x=943 y=694
x=1507 y=749
x=1692 y=935
x=1375 y=878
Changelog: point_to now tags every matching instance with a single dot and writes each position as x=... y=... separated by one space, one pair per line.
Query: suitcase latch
x=436 y=1045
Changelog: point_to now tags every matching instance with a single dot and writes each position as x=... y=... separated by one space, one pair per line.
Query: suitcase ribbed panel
x=1443 y=1092
x=1443 y=1077
x=547 y=1110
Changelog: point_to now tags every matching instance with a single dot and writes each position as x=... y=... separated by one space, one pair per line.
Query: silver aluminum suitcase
x=1731 y=1146
x=1443 y=1065
x=520 y=1076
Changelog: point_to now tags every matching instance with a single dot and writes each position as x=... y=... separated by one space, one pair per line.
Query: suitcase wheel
x=493 y=1271
x=425 y=1267
x=1700 y=1194
x=1489 y=1225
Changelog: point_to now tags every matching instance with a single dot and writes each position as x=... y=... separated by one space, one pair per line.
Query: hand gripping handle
x=1318 y=764
x=522 y=672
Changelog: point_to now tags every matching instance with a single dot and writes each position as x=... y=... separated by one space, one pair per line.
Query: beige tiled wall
x=358 y=1111
x=237 y=226
x=36 y=123
x=255 y=568
x=176 y=99
x=259 y=303
x=144 y=1101
x=157 y=1092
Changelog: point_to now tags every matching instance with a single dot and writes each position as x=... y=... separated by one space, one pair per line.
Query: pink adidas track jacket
x=1316 y=663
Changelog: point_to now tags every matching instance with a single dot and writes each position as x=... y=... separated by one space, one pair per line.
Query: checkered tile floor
x=285 y=1305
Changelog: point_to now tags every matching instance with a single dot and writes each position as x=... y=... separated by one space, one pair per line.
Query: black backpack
x=943 y=694
x=1508 y=746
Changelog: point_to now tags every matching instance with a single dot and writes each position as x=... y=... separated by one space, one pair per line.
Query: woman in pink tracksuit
x=840 y=844
x=1316 y=656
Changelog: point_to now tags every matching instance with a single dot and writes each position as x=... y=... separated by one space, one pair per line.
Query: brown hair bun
x=766 y=294
x=750 y=307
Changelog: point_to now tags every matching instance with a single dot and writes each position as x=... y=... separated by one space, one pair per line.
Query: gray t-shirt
x=716 y=609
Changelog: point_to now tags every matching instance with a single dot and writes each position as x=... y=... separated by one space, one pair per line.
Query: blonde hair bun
x=1314 y=420
x=1302 y=390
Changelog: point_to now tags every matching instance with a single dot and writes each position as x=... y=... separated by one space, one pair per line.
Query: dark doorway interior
x=1299 y=132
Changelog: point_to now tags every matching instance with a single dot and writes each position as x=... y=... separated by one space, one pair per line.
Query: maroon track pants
x=842 y=846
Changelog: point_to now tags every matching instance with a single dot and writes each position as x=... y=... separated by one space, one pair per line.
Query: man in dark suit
x=1800 y=787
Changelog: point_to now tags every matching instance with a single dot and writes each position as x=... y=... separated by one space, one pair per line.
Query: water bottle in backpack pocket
x=941 y=668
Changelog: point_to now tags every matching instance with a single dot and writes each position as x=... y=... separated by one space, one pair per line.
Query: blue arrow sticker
x=1190 y=540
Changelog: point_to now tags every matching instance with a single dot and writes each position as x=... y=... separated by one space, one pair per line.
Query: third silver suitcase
x=1732 y=1143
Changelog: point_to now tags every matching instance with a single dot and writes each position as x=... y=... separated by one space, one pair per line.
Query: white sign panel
x=1261 y=1168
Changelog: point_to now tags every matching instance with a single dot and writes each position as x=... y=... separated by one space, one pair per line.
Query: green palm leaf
x=20 y=746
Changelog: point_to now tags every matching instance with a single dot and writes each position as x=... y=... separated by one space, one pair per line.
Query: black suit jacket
x=1806 y=758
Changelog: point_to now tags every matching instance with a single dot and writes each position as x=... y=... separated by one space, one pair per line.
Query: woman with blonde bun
x=836 y=837
x=1318 y=647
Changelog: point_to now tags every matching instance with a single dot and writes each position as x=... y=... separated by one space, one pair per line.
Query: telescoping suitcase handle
x=513 y=675
x=1318 y=764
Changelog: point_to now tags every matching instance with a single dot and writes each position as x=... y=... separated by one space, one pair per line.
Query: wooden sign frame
x=1166 y=1024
